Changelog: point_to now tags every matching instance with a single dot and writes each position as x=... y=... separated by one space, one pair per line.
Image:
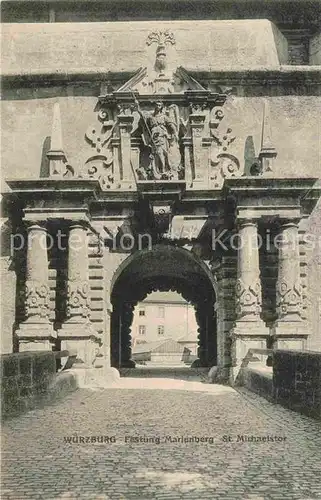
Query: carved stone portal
x=161 y=125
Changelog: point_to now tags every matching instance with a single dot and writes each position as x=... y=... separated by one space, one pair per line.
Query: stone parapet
x=297 y=381
x=28 y=379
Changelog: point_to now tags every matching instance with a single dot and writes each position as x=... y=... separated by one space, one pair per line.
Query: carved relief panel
x=161 y=125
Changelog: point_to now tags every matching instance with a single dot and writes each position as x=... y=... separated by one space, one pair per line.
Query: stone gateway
x=164 y=156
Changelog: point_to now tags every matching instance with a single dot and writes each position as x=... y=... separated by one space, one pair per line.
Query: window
x=141 y=312
x=161 y=312
x=160 y=330
x=142 y=330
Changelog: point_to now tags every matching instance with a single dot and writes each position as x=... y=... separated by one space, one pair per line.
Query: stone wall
x=55 y=48
x=30 y=378
x=297 y=381
x=258 y=380
x=8 y=295
x=315 y=49
x=294 y=381
x=281 y=12
x=295 y=124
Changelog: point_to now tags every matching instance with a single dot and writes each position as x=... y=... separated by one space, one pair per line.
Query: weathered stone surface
x=24 y=377
x=287 y=469
x=315 y=49
x=297 y=381
x=288 y=286
x=259 y=381
x=7 y=299
x=239 y=63
x=292 y=118
x=211 y=45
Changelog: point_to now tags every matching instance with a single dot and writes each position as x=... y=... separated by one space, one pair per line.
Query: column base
x=35 y=336
x=246 y=335
x=290 y=335
x=93 y=377
x=82 y=338
x=250 y=328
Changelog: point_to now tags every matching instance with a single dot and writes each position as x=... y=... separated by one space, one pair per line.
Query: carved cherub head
x=159 y=106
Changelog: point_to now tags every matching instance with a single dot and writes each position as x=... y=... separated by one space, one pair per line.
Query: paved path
x=38 y=463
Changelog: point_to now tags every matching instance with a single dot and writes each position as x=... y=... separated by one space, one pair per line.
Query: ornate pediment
x=151 y=83
x=161 y=125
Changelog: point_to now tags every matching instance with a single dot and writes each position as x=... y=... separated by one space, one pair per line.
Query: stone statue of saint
x=162 y=136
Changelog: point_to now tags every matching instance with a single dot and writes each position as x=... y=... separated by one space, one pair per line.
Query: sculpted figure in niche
x=161 y=134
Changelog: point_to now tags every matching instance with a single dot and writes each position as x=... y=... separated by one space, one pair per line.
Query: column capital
x=81 y=224
x=244 y=222
x=284 y=223
x=35 y=225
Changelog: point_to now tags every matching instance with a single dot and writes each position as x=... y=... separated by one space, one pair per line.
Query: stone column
x=248 y=285
x=77 y=333
x=36 y=332
x=249 y=330
x=288 y=290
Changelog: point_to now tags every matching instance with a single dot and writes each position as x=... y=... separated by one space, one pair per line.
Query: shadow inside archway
x=164 y=268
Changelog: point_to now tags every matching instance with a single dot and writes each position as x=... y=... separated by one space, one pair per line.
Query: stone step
x=171 y=372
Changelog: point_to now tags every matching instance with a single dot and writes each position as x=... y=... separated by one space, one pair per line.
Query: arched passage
x=163 y=268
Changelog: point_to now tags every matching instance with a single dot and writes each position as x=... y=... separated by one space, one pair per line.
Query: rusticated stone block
x=42 y=364
x=10 y=365
x=27 y=379
x=25 y=364
x=10 y=383
x=258 y=382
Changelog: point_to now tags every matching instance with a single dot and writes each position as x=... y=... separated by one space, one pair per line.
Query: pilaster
x=197 y=123
x=125 y=123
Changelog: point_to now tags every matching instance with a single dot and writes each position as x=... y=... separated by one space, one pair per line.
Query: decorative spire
x=268 y=152
x=56 y=155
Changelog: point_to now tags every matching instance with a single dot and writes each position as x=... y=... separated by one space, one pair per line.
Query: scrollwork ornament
x=230 y=166
x=288 y=299
x=248 y=298
x=78 y=299
x=37 y=299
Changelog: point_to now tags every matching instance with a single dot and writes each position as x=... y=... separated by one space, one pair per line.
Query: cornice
x=299 y=75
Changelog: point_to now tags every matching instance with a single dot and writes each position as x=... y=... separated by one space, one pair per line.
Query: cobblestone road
x=38 y=463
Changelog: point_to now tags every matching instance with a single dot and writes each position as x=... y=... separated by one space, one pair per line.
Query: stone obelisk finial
x=56 y=155
x=268 y=153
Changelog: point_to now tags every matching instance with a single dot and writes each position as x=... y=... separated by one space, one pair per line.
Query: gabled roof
x=144 y=83
x=165 y=297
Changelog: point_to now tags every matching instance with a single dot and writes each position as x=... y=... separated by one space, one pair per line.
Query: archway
x=163 y=268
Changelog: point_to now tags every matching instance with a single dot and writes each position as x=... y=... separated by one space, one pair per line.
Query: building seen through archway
x=164 y=331
x=167 y=269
